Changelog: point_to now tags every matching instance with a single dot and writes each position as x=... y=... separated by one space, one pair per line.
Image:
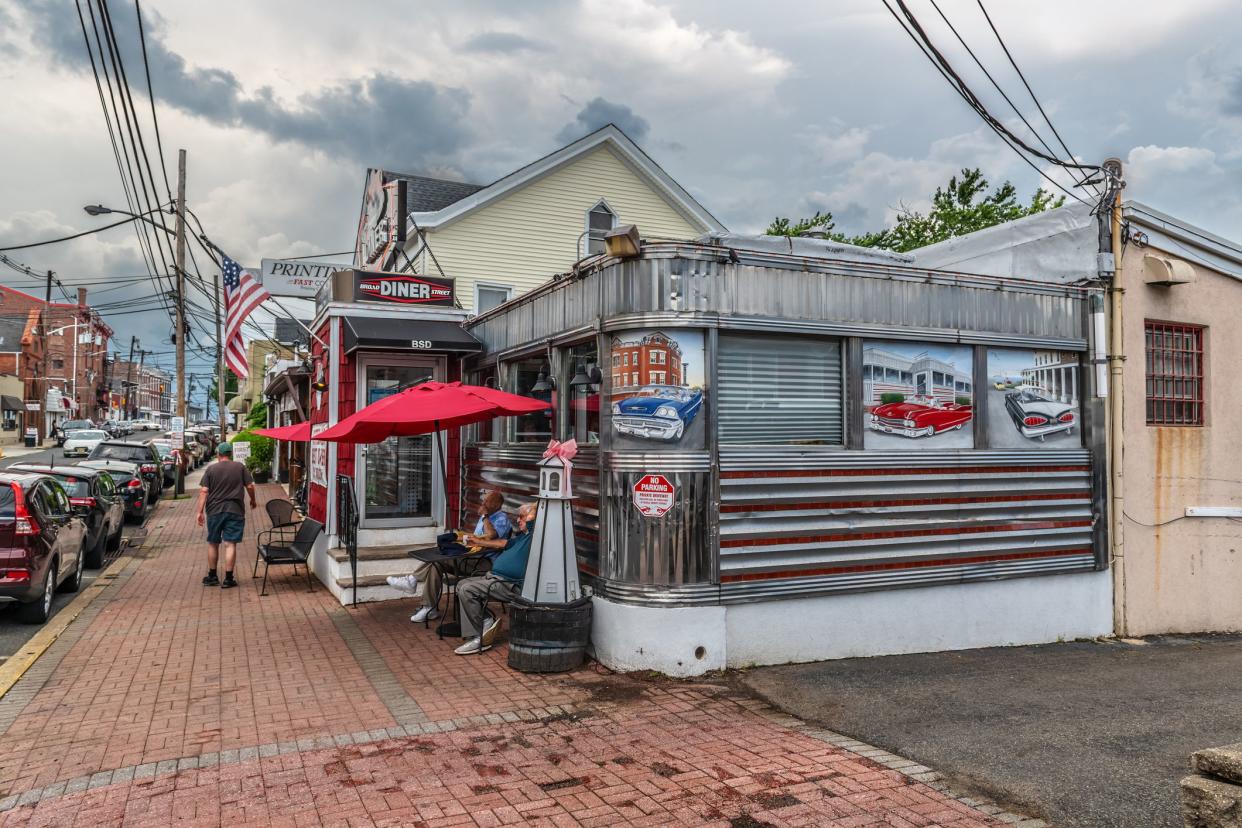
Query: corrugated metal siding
x=531 y=233
x=793 y=522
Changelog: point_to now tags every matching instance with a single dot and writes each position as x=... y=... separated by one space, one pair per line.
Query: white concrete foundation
x=927 y=619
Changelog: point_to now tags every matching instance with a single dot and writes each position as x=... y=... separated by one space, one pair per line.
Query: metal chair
x=297 y=551
x=281 y=514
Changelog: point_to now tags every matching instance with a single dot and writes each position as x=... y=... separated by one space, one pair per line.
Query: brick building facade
x=653 y=360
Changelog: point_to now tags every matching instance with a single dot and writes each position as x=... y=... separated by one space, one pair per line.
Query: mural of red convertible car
x=919 y=417
x=1036 y=413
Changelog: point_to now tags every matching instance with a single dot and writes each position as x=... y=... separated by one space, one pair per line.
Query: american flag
x=242 y=294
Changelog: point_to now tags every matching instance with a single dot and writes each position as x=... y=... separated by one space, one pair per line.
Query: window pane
x=523 y=377
x=490 y=297
x=1174 y=362
x=584 y=394
x=780 y=390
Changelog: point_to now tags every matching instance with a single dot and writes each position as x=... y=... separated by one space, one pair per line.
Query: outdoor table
x=444 y=565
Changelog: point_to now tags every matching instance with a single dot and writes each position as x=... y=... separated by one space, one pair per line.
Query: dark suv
x=70 y=425
x=143 y=454
x=41 y=541
x=96 y=497
x=130 y=487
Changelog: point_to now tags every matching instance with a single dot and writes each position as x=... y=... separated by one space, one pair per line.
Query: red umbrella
x=427 y=407
x=296 y=433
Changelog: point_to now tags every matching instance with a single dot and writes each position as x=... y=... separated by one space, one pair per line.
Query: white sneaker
x=489 y=630
x=473 y=646
x=403 y=583
x=425 y=614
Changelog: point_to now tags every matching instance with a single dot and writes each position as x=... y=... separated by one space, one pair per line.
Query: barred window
x=1174 y=373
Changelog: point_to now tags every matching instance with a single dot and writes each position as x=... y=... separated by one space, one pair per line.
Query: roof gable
x=612 y=137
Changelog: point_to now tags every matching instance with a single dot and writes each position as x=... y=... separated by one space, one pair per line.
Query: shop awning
x=407 y=335
x=8 y=403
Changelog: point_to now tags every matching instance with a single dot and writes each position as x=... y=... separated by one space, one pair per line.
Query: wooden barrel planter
x=548 y=638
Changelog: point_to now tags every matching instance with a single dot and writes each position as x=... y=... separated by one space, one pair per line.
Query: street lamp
x=58 y=332
x=100 y=210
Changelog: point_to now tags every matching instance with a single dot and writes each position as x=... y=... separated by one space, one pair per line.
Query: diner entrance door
x=399 y=480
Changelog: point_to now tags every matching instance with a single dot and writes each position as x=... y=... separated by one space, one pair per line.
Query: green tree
x=257 y=418
x=962 y=206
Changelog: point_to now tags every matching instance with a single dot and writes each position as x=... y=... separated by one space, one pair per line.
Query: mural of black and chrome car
x=1036 y=413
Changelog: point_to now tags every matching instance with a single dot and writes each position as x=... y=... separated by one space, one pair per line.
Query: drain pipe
x=1116 y=407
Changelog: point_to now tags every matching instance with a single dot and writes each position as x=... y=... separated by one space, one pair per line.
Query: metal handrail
x=347 y=525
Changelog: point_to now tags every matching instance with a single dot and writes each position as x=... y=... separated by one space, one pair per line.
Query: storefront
x=808 y=450
x=377 y=333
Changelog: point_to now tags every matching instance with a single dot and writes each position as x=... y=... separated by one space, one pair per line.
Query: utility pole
x=127 y=390
x=180 y=488
x=43 y=329
x=142 y=358
x=220 y=365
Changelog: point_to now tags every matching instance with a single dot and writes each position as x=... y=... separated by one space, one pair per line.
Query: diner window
x=584 y=393
x=600 y=219
x=485 y=431
x=533 y=378
x=1174 y=373
x=488 y=296
x=780 y=390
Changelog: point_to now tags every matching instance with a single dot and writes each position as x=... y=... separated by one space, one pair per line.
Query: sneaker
x=211 y=580
x=489 y=630
x=228 y=583
x=404 y=583
x=472 y=646
x=425 y=614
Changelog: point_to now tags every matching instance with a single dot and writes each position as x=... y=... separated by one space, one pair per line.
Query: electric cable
x=67 y=238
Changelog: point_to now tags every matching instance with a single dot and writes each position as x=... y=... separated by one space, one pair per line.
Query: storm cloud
x=600 y=112
x=352 y=119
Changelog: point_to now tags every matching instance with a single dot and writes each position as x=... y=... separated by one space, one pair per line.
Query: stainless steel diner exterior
x=797 y=529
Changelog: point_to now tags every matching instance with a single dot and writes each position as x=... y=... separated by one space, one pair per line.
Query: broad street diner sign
x=402 y=289
x=294 y=277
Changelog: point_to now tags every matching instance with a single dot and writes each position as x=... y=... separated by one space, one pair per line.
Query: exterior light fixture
x=97 y=209
x=543 y=383
x=622 y=242
x=585 y=376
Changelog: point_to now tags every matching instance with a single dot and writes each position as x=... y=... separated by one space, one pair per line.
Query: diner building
x=830 y=469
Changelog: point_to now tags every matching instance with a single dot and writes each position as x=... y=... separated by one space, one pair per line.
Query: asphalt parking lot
x=1082 y=734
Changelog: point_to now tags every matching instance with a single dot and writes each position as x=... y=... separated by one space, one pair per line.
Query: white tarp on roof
x=1054 y=246
x=805 y=246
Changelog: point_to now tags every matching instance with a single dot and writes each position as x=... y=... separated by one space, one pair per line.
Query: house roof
x=1060 y=245
x=609 y=135
x=425 y=195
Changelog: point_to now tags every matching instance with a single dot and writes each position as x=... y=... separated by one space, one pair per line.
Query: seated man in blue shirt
x=493 y=524
x=503 y=582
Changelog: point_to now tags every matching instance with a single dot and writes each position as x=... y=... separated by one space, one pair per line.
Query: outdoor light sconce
x=622 y=242
x=543 y=382
x=590 y=375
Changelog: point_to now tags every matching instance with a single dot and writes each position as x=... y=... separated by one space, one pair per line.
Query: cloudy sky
x=767 y=109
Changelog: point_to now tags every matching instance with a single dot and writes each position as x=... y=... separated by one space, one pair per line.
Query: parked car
x=657 y=412
x=129 y=483
x=61 y=430
x=204 y=439
x=141 y=453
x=94 y=494
x=194 y=450
x=919 y=417
x=169 y=457
x=1035 y=413
x=41 y=540
x=82 y=443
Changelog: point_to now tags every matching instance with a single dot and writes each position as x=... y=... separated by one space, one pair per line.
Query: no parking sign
x=654 y=495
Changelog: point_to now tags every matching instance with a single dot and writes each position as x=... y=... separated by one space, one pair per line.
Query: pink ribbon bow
x=566 y=450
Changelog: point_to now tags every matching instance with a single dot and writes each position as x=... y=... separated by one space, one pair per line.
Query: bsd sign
x=401 y=289
x=654 y=495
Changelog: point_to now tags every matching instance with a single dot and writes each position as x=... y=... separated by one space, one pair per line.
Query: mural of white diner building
x=886 y=372
x=1056 y=373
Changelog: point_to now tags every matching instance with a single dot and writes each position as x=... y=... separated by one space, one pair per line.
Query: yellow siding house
x=504 y=238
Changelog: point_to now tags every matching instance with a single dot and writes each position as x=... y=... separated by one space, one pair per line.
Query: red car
x=919 y=417
x=42 y=536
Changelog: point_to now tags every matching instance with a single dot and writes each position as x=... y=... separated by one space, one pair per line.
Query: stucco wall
x=528 y=236
x=1185 y=576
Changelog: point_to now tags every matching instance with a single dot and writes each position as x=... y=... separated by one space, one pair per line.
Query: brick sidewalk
x=169 y=701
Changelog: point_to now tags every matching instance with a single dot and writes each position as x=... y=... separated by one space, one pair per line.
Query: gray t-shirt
x=226 y=482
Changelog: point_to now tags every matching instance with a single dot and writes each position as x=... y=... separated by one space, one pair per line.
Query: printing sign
x=318 y=457
x=654 y=495
x=398 y=288
x=291 y=277
x=382 y=223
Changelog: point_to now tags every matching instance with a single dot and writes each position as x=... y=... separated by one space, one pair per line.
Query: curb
x=24 y=659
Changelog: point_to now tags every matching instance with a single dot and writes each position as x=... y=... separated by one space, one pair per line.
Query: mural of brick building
x=656 y=359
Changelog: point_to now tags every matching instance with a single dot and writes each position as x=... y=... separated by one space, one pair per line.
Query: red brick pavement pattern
x=171 y=669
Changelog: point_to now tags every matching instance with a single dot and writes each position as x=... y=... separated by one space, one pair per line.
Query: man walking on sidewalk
x=221 y=497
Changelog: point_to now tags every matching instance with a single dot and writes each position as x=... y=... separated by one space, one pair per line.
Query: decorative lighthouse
x=552 y=568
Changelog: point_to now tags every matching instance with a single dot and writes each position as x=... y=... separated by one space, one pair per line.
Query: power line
x=67 y=238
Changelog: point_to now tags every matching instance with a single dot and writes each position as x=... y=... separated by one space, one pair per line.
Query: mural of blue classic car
x=657 y=412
